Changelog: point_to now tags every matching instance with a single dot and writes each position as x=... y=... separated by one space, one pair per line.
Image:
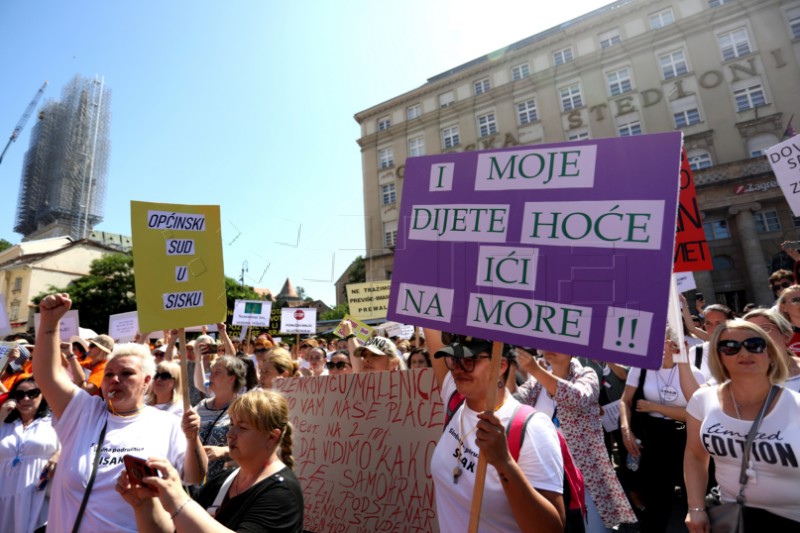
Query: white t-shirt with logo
x=774 y=473
x=662 y=386
x=540 y=460
x=151 y=433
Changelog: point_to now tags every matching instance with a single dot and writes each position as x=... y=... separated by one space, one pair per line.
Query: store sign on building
x=755 y=187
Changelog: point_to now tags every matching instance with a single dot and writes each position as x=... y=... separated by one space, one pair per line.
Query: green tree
x=108 y=289
x=5 y=245
x=358 y=271
x=337 y=313
x=234 y=291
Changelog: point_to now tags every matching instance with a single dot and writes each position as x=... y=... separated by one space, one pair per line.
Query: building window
x=734 y=44
x=717 y=3
x=610 y=38
x=562 y=56
x=796 y=222
x=526 y=112
x=699 y=159
x=687 y=117
x=578 y=135
x=767 y=221
x=446 y=99
x=570 y=97
x=413 y=112
x=520 y=71
x=673 y=64
x=716 y=229
x=487 y=125
x=722 y=262
x=619 y=81
x=661 y=19
x=416 y=146
x=17 y=284
x=384 y=123
x=388 y=194
x=757 y=146
x=450 y=137
x=749 y=97
x=14 y=311
x=385 y=157
x=482 y=86
x=630 y=128
x=794 y=23
x=390 y=234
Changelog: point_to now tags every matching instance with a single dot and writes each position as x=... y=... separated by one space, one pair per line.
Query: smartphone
x=137 y=469
x=43 y=478
x=794 y=245
x=699 y=296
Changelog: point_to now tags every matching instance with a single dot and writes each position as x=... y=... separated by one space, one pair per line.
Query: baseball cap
x=378 y=346
x=104 y=342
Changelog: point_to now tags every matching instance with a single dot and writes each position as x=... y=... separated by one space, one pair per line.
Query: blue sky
x=248 y=105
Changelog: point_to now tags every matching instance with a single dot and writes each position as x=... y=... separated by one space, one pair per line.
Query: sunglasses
x=782 y=285
x=261 y=350
x=338 y=365
x=163 y=375
x=752 y=345
x=466 y=364
x=20 y=394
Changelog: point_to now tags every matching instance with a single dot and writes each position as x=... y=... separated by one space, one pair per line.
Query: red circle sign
x=298 y=315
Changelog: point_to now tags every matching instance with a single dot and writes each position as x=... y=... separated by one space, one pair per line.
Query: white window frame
x=520 y=72
x=619 y=81
x=446 y=99
x=673 y=64
x=13 y=313
x=450 y=137
x=570 y=97
x=699 y=160
x=609 y=38
x=563 y=56
x=767 y=221
x=716 y=229
x=413 y=111
x=661 y=19
x=487 y=124
x=388 y=194
x=757 y=145
x=734 y=44
x=629 y=129
x=527 y=112
x=17 y=284
x=687 y=117
x=482 y=86
x=716 y=3
x=749 y=97
x=793 y=20
x=578 y=135
x=384 y=123
x=416 y=146
x=389 y=234
x=385 y=157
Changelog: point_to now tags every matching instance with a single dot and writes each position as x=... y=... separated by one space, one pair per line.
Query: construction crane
x=25 y=116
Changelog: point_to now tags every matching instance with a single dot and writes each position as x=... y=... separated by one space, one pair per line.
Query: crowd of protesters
x=75 y=411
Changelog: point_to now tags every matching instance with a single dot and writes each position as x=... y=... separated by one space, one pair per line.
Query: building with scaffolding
x=64 y=172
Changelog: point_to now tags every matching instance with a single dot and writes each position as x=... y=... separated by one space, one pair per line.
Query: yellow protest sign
x=362 y=331
x=369 y=300
x=177 y=255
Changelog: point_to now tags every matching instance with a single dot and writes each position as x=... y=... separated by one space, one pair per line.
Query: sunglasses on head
x=338 y=365
x=260 y=350
x=752 y=345
x=20 y=394
x=163 y=375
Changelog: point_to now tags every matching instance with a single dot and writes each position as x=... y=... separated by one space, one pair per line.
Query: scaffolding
x=64 y=171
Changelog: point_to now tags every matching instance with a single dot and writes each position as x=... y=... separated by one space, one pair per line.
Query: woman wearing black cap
x=516 y=494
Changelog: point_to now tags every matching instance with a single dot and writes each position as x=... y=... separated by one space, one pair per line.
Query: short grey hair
x=147 y=361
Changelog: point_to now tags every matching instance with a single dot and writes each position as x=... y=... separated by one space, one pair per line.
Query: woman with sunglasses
x=340 y=363
x=517 y=494
x=166 y=391
x=660 y=438
x=29 y=452
x=276 y=364
x=747 y=363
x=789 y=305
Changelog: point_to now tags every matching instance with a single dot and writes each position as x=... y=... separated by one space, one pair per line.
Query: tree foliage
x=358 y=271
x=5 y=245
x=234 y=291
x=336 y=313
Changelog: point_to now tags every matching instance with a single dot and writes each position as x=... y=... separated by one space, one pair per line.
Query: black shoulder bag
x=91 y=477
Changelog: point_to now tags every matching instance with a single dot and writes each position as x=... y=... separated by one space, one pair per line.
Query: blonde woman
x=166 y=392
x=277 y=364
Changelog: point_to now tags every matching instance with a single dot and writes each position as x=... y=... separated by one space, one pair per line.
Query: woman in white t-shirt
x=121 y=424
x=516 y=495
x=747 y=362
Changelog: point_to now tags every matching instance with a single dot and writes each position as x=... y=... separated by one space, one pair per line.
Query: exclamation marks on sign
x=620 y=328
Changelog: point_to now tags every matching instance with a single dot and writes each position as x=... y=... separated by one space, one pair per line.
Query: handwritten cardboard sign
x=122 y=327
x=252 y=313
x=299 y=320
x=363 y=445
x=179 y=273
x=691 y=247
x=784 y=158
x=368 y=300
x=566 y=247
x=685 y=281
x=68 y=327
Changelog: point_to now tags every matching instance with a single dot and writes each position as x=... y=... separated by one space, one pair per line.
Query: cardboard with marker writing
x=369 y=300
x=691 y=246
x=784 y=158
x=566 y=247
x=362 y=446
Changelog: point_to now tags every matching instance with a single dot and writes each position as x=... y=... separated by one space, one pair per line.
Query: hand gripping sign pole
x=184 y=371
x=480 y=473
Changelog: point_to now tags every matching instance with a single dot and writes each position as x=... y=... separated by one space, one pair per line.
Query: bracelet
x=179 y=509
x=697 y=509
x=72 y=356
x=351 y=336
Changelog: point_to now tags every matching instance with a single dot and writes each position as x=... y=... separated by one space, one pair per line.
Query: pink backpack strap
x=515 y=432
x=455 y=401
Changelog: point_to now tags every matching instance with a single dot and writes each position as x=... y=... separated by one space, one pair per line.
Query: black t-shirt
x=274 y=504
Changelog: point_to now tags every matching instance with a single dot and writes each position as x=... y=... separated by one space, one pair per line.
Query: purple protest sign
x=565 y=247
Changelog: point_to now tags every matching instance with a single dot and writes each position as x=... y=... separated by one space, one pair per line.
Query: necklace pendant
x=16 y=461
x=456 y=474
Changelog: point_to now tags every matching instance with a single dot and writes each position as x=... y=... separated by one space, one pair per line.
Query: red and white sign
x=299 y=321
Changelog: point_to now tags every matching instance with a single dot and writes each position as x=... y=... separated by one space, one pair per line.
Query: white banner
x=784 y=158
x=123 y=327
x=5 y=325
x=299 y=320
x=253 y=313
